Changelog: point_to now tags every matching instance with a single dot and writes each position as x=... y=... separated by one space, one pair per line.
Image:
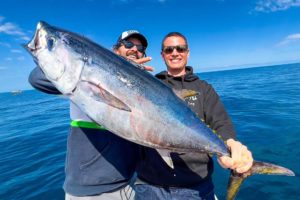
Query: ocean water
x=264 y=104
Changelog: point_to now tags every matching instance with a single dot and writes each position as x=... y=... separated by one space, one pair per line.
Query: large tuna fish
x=126 y=99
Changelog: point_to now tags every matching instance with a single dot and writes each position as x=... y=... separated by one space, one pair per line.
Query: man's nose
x=175 y=52
x=134 y=48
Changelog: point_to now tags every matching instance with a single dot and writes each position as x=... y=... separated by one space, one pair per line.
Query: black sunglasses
x=179 y=49
x=129 y=45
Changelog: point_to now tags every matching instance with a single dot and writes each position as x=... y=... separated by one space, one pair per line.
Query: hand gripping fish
x=128 y=100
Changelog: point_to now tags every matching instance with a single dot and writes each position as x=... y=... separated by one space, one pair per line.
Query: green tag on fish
x=84 y=124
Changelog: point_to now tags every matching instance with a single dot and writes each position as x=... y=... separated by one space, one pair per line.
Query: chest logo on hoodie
x=191 y=101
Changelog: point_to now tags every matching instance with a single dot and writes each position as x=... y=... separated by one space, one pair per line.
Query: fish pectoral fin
x=236 y=180
x=102 y=95
x=165 y=154
x=184 y=93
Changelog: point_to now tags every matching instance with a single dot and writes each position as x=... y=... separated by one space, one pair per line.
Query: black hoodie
x=189 y=168
x=97 y=161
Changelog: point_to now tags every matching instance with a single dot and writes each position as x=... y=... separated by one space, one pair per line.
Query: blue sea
x=263 y=102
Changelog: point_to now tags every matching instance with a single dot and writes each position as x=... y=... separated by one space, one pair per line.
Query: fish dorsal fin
x=102 y=95
x=184 y=93
x=165 y=154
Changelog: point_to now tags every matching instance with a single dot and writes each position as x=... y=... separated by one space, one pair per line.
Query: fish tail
x=236 y=180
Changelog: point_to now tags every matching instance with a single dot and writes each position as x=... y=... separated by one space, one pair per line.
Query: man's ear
x=115 y=48
x=116 y=51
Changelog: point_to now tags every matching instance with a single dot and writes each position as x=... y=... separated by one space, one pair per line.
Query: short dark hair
x=176 y=34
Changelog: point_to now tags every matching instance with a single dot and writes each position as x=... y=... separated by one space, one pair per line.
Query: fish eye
x=50 y=43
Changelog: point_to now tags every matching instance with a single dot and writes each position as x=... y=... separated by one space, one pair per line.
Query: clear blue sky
x=222 y=34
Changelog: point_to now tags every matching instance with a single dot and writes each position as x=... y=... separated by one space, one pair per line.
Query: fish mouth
x=35 y=44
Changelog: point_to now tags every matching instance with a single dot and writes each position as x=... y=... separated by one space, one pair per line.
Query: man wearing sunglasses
x=99 y=164
x=191 y=177
x=132 y=46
